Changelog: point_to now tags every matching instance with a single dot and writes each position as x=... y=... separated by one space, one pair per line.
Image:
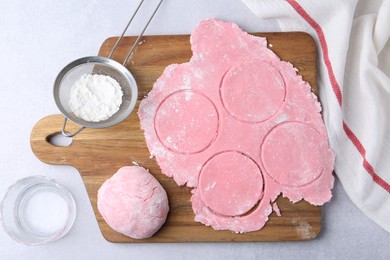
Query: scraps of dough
x=240 y=127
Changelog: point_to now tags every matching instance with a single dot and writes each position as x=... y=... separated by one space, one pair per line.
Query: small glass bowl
x=36 y=210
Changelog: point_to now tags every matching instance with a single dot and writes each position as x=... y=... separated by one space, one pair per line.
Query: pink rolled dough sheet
x=133 y=202
x=240 y=127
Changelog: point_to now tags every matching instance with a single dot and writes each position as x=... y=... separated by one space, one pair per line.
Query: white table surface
x=37 y=39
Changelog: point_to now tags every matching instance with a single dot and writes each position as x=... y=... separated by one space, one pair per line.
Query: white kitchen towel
x=354 y=88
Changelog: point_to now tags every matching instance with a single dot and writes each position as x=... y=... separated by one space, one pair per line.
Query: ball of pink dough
x=133 y=202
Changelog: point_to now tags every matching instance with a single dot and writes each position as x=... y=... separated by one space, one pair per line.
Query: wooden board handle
x=41 y=133
x=92 y=151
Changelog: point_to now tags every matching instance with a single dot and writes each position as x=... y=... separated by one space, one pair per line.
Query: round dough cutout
x=292 y=154
x=230 y=184
x=186 y=122
x=252 y=91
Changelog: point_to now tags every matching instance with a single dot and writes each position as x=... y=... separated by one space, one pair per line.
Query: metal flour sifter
x=105 y=66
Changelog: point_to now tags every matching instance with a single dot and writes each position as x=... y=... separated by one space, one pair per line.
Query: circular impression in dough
x=186 y=122
x=230 y=184
x=292 y=154
x=252 y=91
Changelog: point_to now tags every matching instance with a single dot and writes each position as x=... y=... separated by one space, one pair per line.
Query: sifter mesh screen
x=95 y=65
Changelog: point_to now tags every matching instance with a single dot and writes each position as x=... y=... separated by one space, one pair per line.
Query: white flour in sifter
x=95 y=97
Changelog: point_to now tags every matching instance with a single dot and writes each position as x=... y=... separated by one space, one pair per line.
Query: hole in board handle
x=58 y=139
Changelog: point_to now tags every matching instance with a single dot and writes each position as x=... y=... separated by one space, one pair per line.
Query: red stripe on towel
x=337 y=91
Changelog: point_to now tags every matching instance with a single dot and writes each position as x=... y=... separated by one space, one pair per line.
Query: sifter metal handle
x=139 y=36
x=66 y=133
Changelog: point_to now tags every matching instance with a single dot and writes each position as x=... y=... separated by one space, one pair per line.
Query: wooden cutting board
x=99 y=153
